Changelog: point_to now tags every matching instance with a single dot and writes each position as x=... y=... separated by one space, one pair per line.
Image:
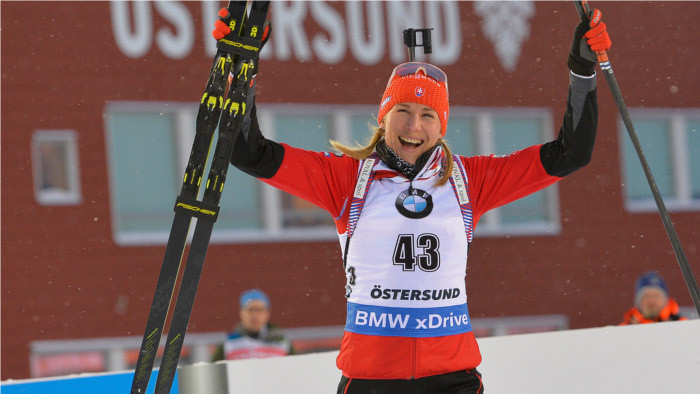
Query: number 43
x=427 y=258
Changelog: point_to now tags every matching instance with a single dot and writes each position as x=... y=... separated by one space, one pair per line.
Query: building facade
x=98 y=108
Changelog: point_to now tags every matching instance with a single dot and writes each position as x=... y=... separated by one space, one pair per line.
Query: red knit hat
x=420 y=83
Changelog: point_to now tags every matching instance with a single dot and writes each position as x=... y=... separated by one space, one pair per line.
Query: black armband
x=573 y=147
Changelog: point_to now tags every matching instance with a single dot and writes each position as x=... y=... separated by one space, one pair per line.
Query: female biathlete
x=405 y=208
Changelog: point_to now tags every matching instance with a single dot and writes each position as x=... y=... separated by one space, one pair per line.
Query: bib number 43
x=422 y=251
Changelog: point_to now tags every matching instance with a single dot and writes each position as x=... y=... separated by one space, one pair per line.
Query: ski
x=208 y=116
x=246 y=46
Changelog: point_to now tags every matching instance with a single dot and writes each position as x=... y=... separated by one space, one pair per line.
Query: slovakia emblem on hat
x=420 y=91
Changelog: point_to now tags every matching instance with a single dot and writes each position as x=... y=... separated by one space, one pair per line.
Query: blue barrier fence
x=103 y=383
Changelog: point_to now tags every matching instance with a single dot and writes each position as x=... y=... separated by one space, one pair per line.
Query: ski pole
x=604 y=62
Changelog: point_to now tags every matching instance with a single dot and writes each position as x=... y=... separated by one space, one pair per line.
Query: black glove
x=582 y=60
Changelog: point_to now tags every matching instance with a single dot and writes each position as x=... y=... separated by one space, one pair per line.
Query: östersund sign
x=364 y=30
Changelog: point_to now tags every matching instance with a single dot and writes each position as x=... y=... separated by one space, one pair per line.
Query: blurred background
x=98 y=107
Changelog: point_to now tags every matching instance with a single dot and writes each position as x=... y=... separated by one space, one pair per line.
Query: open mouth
x=410 y=143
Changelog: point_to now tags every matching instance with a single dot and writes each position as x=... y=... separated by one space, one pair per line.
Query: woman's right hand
x=221 y=28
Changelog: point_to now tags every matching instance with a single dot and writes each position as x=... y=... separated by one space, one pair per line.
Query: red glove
x=221 y=28
x=597 y=37
x=590 y=35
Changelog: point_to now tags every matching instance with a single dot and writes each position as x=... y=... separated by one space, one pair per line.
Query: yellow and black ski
x=235 y=54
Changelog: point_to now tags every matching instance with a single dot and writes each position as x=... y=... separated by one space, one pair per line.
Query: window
x=310 y=129
x=480 y=131
x=143 y=149
x=55 y=167
x=670 y=141
x=148 y=147
x=149 y=144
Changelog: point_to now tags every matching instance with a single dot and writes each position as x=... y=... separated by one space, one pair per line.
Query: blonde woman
x=405 y=209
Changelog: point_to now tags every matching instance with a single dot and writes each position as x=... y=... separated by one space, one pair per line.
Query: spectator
x=254 y=336
x=651 y=302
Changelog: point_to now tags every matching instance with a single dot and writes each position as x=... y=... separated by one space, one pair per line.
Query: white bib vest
x=407 y=261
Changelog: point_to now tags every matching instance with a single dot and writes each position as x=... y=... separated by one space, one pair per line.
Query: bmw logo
x=414 y=203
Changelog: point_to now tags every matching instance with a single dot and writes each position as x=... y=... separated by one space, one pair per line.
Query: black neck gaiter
x=405 y=168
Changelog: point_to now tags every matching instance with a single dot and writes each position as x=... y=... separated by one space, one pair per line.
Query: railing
x=66 y=356
x=612 y=355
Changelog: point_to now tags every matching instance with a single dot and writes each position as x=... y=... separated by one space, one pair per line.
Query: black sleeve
x=573 y=147
x=253 y=153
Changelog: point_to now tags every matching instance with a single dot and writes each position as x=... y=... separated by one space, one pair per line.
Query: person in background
x=651 y=302
x=254 y=336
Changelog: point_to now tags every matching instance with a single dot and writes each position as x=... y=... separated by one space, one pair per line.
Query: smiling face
x=411 y=129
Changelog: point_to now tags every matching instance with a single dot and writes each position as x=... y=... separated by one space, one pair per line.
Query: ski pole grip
x=583 y=10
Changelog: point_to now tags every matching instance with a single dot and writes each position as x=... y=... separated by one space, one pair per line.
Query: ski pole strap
x=365 y=176
x=244 y=46
x=198 y=209
x=458 y=180
x=583 y=10
x=245 y=41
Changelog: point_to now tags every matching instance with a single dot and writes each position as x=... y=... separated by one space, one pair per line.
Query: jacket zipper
x=414 y=358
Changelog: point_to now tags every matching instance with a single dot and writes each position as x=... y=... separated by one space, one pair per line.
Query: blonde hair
x=361 y=152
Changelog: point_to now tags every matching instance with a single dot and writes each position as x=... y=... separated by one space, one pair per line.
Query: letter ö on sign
x=356 y=31
x=413 y=294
